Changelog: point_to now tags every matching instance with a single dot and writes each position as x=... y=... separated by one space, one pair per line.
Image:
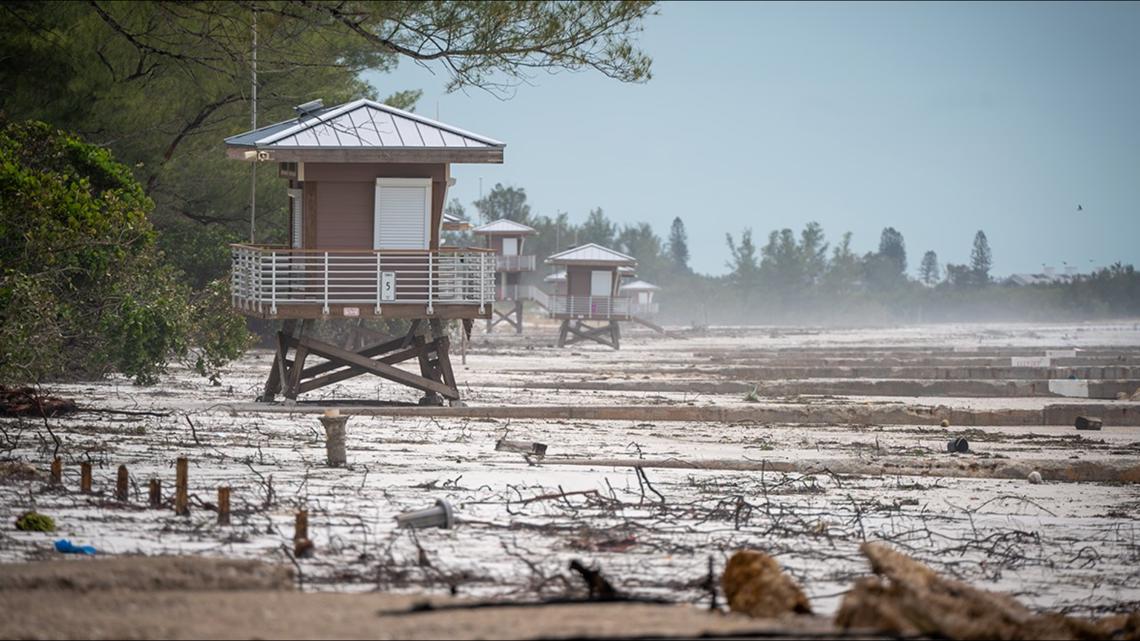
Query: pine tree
x=679 y=246
x=893 y=247
x=929 y=272
x=981 y=259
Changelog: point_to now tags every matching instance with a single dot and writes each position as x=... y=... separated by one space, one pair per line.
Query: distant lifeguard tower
x=366 y=185
x=591 y=307
x=506 y=238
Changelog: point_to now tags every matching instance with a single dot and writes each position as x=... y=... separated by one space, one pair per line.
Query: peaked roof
x=451 y=222
x=640 y=286
x=591 y=254
x=504 y=227
x=362 y=126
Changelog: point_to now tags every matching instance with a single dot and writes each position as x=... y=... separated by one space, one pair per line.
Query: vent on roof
x=309 y=108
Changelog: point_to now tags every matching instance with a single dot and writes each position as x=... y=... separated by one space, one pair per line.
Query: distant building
x=1048 y=277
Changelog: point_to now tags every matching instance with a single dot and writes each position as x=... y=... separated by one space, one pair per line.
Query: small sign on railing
x=387 y=286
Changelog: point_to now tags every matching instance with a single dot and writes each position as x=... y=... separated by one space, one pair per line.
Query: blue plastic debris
x=66 y=547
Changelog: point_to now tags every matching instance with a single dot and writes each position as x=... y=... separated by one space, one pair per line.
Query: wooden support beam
x=57 y=471
x=85 y=478
x=609 y=334
x=295 y=371
x=352 y=371
x=277 y=373
x=383 y=370
x=375 y=350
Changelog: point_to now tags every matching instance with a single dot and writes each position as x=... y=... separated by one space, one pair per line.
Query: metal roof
x=591 y=254
x=504 y=226
x=362 y=124
x=640 y=286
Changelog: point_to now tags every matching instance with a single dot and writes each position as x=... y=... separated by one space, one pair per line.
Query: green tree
x=679 y=246
x=642 y=243
x=928 y=272
x=893 y=248
x=84 y=290
x=743 y=263
x=598 y=229
x=504 y=202
x=161 y=83
x=844 y=270
x=980 y=259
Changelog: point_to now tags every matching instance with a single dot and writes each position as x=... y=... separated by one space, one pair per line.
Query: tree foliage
x=928 y=271
x=679 y=246
x=84 y=290
x=504 y=202
x=980 y=259
x=161 y=83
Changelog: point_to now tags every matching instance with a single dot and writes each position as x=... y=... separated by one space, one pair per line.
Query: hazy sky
x=937 y=119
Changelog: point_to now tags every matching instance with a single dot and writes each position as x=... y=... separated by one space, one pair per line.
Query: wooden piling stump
x=302 y=545
x=181 y=487
x=122 y=485
x=57 y=471
x=155 y=501
x=85 y=478
x=223 y=506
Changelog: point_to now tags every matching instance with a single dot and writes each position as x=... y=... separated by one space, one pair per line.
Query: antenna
x=253 y=125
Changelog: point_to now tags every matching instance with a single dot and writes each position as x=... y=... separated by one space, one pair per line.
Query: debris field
x=803 y=443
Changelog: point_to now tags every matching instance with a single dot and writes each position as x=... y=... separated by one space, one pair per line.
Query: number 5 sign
x=388 y=286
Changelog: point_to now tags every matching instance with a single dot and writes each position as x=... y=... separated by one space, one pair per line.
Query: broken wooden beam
x=524 y=447
x=122 y=485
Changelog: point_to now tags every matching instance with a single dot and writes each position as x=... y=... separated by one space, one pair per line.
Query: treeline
x=803 y=278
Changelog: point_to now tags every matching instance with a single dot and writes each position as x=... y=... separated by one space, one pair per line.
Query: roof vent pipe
x=309 y=107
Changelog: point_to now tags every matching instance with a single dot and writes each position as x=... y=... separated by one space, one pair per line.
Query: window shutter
x=601 y=283
x=403 y=213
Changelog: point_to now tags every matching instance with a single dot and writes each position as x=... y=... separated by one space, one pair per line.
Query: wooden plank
x=295 y=371
x=651 y=325
x=352 y=371
x=383 y=370
x=375 y=350
x=443 y=344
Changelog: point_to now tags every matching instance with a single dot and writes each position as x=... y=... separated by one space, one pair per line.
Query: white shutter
x=297 y=216
x=510 y=246
x=601 y=283
x=402 y=213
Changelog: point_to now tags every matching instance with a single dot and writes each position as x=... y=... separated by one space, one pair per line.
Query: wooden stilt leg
x=273 y=383
x=562 y=331
x=615 y=334
x=518 y=316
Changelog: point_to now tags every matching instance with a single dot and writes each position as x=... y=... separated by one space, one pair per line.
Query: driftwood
x=28 y=401
x=526 y=447
x=754 y=585
x=908 y=598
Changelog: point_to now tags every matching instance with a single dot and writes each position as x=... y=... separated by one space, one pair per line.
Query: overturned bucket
x=440 y=516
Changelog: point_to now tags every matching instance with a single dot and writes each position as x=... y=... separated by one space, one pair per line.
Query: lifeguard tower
x=366 y=185
x=591 y=306
x=506 y=239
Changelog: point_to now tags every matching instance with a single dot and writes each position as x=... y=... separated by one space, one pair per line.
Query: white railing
x=591 y=306
x=514 y=263
x=264 y=278
x=643 y=309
